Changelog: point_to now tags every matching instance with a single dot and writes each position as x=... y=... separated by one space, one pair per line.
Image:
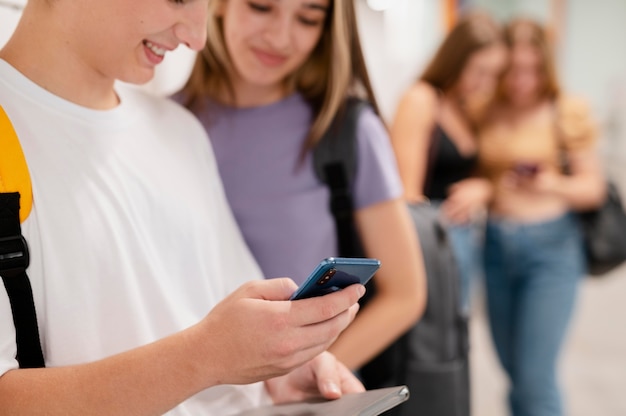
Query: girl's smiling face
x=268 y=40
x=525 y=78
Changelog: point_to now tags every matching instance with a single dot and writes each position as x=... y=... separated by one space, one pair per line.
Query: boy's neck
x=43 y=56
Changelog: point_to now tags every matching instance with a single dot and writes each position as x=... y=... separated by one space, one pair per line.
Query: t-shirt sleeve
x=576 y=125
x=377 y=178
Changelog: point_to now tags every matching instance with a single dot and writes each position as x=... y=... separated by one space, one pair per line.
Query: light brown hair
x=334 y=71
x=472 y=33
x=527 y=32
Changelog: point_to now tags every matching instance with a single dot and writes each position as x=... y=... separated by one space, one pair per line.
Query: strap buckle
x=14 y=256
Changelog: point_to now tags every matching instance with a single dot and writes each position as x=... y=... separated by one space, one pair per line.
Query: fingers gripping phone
x=526 y=169
x=335 y=273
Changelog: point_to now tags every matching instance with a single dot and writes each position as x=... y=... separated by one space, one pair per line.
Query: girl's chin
x=522 y=101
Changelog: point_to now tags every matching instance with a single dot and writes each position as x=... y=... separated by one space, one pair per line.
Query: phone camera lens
x=327 y=276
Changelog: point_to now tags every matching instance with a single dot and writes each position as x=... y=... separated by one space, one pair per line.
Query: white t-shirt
x=130 y=235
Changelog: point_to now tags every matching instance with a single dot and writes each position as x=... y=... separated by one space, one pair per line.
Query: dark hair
x=471 y=34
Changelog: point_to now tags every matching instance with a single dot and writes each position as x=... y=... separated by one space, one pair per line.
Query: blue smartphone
x=335 y=273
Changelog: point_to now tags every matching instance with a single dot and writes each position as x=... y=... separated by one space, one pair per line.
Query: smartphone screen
x=335 y=273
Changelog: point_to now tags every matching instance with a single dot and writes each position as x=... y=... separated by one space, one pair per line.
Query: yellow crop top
x=501 y=145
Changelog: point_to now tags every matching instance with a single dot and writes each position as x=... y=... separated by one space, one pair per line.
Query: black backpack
x=431 y=358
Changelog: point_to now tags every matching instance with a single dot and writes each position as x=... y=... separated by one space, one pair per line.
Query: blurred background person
x=434 y=136
x=268 y=84
x=533 y=251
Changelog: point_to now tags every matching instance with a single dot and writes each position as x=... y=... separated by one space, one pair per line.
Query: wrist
x=200 y=358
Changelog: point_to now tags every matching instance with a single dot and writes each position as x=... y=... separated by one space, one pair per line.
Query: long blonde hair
x=334 y=71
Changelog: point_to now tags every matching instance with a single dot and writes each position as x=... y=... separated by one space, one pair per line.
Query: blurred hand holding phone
x=335 y=273
x=526 y=169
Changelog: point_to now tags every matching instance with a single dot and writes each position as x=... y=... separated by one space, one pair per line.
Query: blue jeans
x=532 y=273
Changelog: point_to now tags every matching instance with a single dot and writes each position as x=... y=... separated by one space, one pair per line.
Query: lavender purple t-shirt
x=280 y=205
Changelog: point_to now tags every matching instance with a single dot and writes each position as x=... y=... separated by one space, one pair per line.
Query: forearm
x=385 y=318
x=148 y=380
x=412 y=172
x=581 y=193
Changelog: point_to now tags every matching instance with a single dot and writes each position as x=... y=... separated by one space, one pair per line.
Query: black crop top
x=446 y=165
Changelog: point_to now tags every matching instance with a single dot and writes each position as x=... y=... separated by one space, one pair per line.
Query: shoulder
x=420 y=95
x=573 y=106
x=368 y=116
x=377 y=176
x=168 y=121
x=372 y=140
x=418 y=105
x=575 y=121
x=152 y=103
x=423 y=93
x=370 y=127
x=165 y=110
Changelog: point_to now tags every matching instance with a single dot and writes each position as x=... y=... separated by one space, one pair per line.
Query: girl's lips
x=269 y=59
x=154 y=53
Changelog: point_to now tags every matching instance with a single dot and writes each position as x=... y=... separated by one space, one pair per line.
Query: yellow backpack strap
x=16 y=195
x=14 y=176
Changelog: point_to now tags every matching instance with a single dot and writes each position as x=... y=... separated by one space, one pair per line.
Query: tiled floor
x=593 y=369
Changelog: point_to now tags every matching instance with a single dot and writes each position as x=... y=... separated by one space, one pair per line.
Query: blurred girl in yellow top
x=533 y=248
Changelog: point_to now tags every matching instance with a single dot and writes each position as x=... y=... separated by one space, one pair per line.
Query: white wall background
x=9 y=15
x=397 y=42
x=504 y=9
x=593 y=63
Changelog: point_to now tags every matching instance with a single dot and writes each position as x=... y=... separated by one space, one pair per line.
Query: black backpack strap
x=14 y=260
x=335 y=164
